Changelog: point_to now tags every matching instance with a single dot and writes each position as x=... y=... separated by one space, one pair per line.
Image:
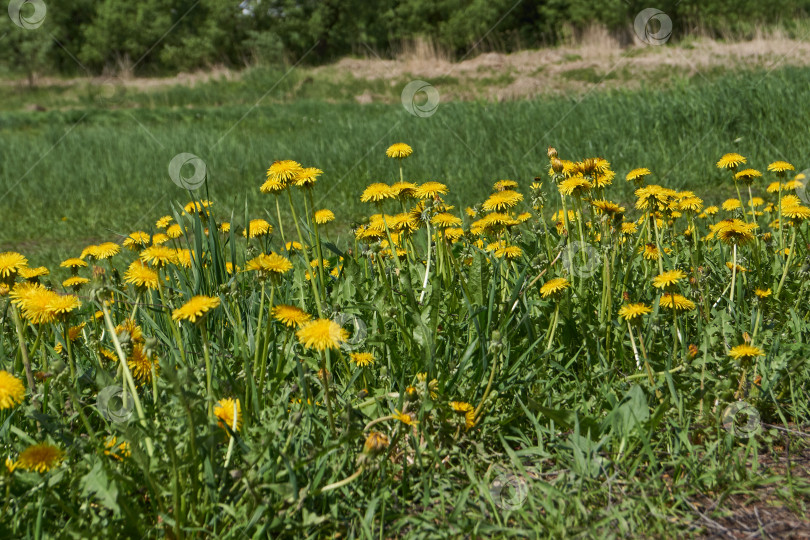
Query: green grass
x=75 y=176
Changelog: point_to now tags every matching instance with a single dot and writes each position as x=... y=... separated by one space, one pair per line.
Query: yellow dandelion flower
x=399 y=151
x=362 y=359
x=196 y=308
x=324 y=216
x=576 y=186
x=140 y=275
x=409 y=418
x=284 y=171
x=12 y=391
x=731 y=161
x=136 y=240
x=607 y=207
x=321 y=334
x=73 y=263
x=257 y=227
x=430 y=190
x=404 y=190
x=638 y=175
x=502 y=200
x=40 y=457
x=734 y=231
x=780 y=167
x=745 y=352
x=668 y=279
x=174 y=231
x=554 y=287
x=307 y=177
x=224 y=411
x=628 y=312
x=748 y=175
x=502 y=185
x=33 y=274
x=159 y=238
x=11 y=263
x=115 y=450
x=731 y=204
x=75 y=282
x=158 y=255
x=290 y=315
x=163 y=222
x=676 y=302
x=446 y=220
x=377 y=192
x=510 y=252
x=141 y=365
x=762 y=293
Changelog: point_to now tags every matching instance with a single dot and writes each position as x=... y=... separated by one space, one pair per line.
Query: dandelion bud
x=58 y=365
x=376 y=443
x=411 y=394
x=552 y=152
x=362 y=394
x=556 y=165
x=693 y=351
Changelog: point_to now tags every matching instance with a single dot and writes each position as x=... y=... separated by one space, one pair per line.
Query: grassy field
x=61 y=169
x=640 y=373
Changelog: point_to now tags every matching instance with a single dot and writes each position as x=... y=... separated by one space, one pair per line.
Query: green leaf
x=96 y=483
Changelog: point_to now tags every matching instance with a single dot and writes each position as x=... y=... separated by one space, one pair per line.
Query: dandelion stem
x=127 y=374
x=787 y=264
x=29 y=376
x=345 y=481
x=553 y=327
x=208 y=375
x=427 y=267
x=733 y=272
x=327 y=398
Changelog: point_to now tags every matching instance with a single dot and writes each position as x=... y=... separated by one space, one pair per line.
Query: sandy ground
x=560 y=69
x=569 y=69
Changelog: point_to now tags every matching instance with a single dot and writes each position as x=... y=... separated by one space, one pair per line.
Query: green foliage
x=165 y=36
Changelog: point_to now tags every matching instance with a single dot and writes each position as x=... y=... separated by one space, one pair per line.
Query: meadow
x=104 y=146
x=581 y=316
